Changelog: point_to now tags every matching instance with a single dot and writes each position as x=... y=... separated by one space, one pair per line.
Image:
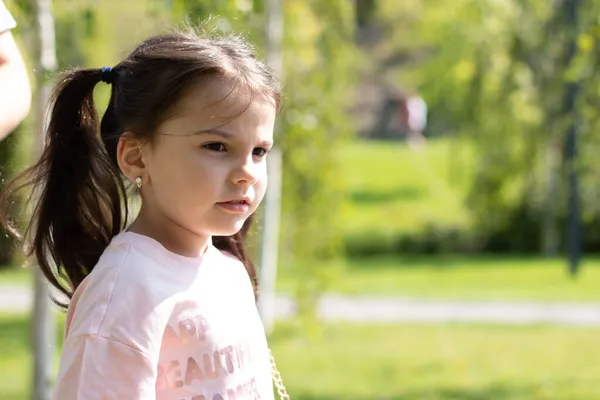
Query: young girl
x=163 y=308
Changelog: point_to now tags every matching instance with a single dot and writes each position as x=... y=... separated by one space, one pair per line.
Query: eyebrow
x=215 y=131
x=226 y=135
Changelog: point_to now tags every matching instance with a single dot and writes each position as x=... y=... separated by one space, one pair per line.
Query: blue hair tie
x=106 y=75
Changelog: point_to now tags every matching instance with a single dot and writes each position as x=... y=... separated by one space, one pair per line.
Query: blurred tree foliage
x=493 y=72
x=318 y=72
x=496 y=72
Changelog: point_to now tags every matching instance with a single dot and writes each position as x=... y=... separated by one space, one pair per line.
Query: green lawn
x=455 y=362
x=459 y=277
x=15 y=275
x=395 y=189
x=16 y=356
x=445 y=277
x=399 y=362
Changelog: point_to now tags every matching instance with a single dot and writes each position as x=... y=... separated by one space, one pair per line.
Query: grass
x=15 y=360
x=15 y=276
x=397 y=190
x=398 y=362
x=459 y=277
x=443 y=277
x=16 y=357
x=453 y=362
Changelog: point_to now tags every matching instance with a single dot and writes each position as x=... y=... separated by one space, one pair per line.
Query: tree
x=44 y=321
x=318 y=69
x=497 y=74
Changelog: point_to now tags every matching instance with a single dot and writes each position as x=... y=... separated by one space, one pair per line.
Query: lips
x=238 y=200
x=239 y=205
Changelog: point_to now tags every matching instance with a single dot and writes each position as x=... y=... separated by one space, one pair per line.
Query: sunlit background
x=439 y=221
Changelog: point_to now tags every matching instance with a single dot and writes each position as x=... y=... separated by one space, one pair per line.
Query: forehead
x=218 y=102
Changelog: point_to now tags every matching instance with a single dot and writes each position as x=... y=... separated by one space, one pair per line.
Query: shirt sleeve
x=7 y=22
x=96 y=368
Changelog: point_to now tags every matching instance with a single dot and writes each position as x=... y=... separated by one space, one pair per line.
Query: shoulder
x=93 y=297
x=230 y=263
x=236 y=273
x=230 y=258
x=127 y=298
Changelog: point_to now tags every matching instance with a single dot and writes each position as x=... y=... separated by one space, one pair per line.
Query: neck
x=174 y=237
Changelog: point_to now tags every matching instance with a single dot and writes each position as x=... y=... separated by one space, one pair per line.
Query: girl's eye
x=260 y=152
x=215 y=146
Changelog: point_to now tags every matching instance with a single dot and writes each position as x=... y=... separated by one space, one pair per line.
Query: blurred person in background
x=15 y=91
x=414 y=118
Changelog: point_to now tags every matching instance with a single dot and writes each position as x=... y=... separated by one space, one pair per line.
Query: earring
x=138 y=182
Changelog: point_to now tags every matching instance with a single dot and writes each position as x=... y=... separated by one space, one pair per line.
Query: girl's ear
x=130 y=156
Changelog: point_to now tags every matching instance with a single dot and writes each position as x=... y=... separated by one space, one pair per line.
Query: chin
x=228 y=229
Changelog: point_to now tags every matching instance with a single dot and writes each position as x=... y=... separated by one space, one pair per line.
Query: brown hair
x=79 y=192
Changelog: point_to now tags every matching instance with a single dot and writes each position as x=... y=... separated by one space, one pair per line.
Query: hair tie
x=106 y=75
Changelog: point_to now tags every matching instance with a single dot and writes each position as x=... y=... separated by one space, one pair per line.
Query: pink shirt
x=151 y=324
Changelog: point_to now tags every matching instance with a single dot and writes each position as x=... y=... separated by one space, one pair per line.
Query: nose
x=248 y=172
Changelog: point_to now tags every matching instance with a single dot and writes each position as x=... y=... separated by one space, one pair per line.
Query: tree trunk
x=272 y=209
x=44 y=326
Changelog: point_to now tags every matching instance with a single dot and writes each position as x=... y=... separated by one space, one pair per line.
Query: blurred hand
x=15 y=90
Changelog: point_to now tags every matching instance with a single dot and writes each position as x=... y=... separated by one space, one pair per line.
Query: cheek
x=261 y=184
x=168 y=175
x=175 y=174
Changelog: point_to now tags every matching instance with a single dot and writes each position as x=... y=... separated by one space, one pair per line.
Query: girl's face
x=205 y=172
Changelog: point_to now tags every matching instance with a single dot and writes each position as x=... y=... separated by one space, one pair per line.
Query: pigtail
x=79 y=197
x=77 y=192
